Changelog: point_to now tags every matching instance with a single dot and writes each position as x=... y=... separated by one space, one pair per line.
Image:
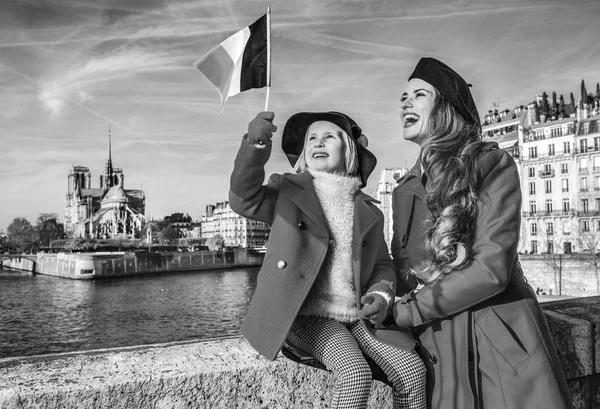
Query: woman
x=457 y=216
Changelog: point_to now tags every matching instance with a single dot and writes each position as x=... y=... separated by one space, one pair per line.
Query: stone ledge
x=228 y=373
x=223 y=373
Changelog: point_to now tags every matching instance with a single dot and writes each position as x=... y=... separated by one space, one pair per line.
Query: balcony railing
x=553 y=213
x=546 y=174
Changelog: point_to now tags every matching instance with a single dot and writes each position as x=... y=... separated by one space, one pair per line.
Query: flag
x=240 y=62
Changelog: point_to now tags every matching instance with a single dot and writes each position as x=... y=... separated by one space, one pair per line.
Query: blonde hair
x=350 y=155
x=449 y=157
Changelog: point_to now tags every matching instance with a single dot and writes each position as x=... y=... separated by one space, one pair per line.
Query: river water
x=42 y=314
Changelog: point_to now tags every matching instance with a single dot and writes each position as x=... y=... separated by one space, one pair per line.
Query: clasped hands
x=374 y=308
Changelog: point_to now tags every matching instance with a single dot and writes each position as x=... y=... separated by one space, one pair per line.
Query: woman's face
x=416 y=105
x=325 y=148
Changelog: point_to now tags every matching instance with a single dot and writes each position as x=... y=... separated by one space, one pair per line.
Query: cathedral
x=106 y=212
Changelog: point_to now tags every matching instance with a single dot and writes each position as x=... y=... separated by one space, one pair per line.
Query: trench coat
x=482 y=334
x=298 y=243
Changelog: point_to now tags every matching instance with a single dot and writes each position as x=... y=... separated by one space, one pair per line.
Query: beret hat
x=450 y=84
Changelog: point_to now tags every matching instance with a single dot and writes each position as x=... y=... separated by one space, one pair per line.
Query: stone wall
x=228 y=373
x=563 y=274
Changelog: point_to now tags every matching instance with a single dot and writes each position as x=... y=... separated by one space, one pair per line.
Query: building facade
x=388 y=178
x=105 y=212
x=559 y=165
x=237 y=231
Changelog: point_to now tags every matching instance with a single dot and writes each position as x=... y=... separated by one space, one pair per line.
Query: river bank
x=86 y=266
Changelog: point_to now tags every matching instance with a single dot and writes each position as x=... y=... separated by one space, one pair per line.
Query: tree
x=21 y=233
x=215 y=243
x=583 y=93
x=598 y=90
x=536 y=112
x=552 y=258
x=589 y=243
x=562 y=112
x=545 y=106
x=48 y=228
x=168 y=235
x=554 y=106
x=572 y=102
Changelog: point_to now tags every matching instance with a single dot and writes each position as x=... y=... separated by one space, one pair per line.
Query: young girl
x=326 y=256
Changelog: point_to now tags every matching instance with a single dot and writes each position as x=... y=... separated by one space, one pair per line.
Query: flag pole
x=268 y=56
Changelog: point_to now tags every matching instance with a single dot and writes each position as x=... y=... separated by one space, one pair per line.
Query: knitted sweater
x=333 y=294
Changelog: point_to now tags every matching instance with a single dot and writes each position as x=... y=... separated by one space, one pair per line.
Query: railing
x=550 y=214
x=546 y=174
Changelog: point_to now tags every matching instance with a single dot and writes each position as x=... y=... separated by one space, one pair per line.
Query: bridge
x=32 y=257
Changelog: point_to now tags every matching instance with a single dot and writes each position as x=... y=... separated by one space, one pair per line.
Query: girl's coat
x=484 y=337
x=298 y=243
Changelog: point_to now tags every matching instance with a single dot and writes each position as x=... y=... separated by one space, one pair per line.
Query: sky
x=69 y=69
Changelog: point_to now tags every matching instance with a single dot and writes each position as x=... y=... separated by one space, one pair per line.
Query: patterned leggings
x=340 y=348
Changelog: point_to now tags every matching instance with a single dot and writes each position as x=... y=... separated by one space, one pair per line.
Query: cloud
x=77 y=84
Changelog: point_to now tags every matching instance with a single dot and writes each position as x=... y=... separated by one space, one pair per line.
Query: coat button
x=433 y=359
x=301 y=225
x=281 y=264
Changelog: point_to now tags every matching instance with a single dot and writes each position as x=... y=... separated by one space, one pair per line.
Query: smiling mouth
x=410 y=120
x=319 y=155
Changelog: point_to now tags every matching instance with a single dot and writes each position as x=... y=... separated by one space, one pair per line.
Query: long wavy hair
x=448 y=158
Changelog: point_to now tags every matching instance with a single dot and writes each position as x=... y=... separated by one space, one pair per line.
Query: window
x=586 y=128
x=533 y=152
x=533 y=207
x=597 y=225
x=566 y=205
x=583 y=187
x=547 y=169
x=583 y=164
x=555 y=132
x=549 y=205
x=566 y=227
x=596 y=162
x=531 y=172
x=550 y=228
x=534 y=229
x=551 y=149
x=534 y=246
x=567 y=147
x=550 y=247
x=565 y=185
x=597 y=143
x=568 y=247
x=585 y=225
x=548 y=184
x=532 y=188
x=598 y=204
x=585 y=206
x=597 y=183
x=564 y=168
x=583 y=145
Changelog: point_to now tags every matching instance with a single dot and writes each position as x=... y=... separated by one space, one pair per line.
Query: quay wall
x=228 y=373
x=82 y=266
x=563 y=274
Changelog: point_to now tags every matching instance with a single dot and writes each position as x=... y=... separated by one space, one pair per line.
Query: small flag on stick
x=241 y=62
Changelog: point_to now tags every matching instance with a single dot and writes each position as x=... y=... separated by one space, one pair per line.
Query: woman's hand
x=401 y=313
x=261 y=128
x=374 y=308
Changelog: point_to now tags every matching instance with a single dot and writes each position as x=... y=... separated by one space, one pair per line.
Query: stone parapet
x=228 y=373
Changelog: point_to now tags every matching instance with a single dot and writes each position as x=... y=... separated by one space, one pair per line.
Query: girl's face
x=325 y=148
x=416 y=105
